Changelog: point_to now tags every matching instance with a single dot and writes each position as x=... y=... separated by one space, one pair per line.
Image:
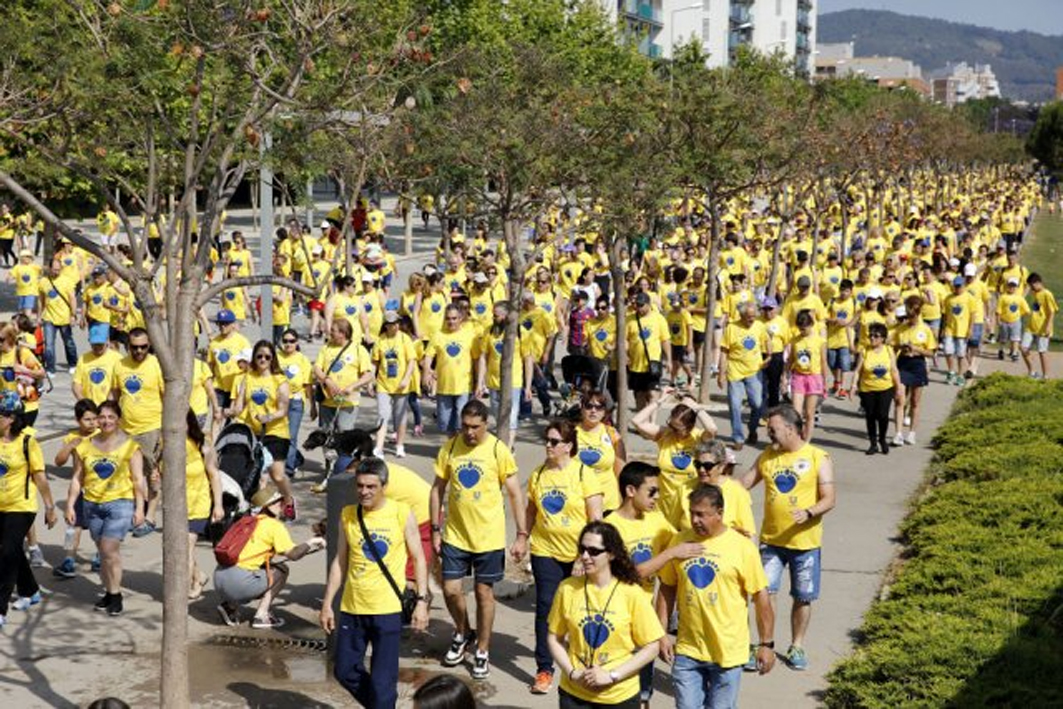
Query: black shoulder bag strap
x=638 y=321
x=376 y=556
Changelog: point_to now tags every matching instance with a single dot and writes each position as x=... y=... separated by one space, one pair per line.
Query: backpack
x=227 y=552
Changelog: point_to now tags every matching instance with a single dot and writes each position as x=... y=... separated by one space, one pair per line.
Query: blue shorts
x=110 y=520
x=975 y=340
x=27 y=302
x=79 y=512
x=804 y=571
x=198 y=526
x=840 y=358
x=486 y=567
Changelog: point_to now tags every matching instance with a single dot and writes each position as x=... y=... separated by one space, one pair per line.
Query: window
x=782 y=30
x=778 y=8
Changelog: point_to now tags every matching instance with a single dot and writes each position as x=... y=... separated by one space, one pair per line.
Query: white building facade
x=643 y=19
x=722 y=26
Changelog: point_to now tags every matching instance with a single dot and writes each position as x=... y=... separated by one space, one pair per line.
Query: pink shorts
x=807 y=384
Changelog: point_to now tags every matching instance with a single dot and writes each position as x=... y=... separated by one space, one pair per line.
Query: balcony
x=643 y=12
x=805 y=5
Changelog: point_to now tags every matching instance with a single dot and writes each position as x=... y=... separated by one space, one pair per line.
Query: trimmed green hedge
x=975 y=615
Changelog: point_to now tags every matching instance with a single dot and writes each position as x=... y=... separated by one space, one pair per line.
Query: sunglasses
x=551 y=442
x=264 y=357
x=289 y=341
x=703 y=465
x=593 y=407
x=592 y=551
x=138 y=348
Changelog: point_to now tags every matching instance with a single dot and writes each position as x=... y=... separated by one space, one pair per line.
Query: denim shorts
x=975 y=340
x=954 y=345
x=110 y=520
x=1011 y=331
x=804 y=570
x=487 y=567
x=840 y=358
x=27 y=302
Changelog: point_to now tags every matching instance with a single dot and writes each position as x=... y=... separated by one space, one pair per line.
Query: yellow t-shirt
x=243 y=260
x=737 y=506
x=453 y=352
x=58 y=295
x=536 y=328
x=140 y=386
x=745 y=347
x=18 y=493
x=649 y=340
x=27 y=277
x=270 y=537
x=282 y=306
x=601 y=335
x=919 y=335
x=490 y=345
x=392 y=356
x=198 y=400
x=807 y=353
x=366 y=590
x=712 y=597
x=644 y=538
x=675 y=458
x=604 y=627
x=695 y=298
x=839 y=336
x=409 y=488
x=197 y=484
x=107 y=476
x=297 y=369
x=875 y=370
x=958 y=312
x=791 y=482
x=560 y=499
x=597 y=450
x=95 y=374
x=1011 y=307
x=96 y=299
x=222 y=359
x=1042 y=312
x=261 y=396
x=234 y=300
x=679 y=326
x=430 y=318
x=345 y=370
x=476 y=519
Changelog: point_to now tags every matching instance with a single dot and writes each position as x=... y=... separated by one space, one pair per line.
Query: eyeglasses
x=592 y=551
x=265 y=357
x=289 y=341
x=591 y=406
x=704 y=465
x=139 y=348
x=551 y=442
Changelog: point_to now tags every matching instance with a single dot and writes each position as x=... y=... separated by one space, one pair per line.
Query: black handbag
x=319 y=391
x=655 y=369
x=407 y=597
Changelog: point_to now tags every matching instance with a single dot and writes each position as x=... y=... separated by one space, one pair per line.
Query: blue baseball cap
x=10 y=403
x=99 y=333
x=959 y=281
x=225 y=317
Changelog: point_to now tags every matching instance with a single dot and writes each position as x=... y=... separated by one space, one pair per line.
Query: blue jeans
x=548 y=573
x=346 y=418
x=750 y=388
x=295 y=418
x=448 y=408
x=704 y=684
x=378 y=687
x=414 y=402
x=49 y=345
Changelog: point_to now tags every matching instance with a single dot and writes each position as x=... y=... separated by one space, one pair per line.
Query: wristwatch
x=422 y=597
x=770 y=645
x=436 y=528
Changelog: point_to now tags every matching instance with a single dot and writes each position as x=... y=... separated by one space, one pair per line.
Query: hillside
x=1024 y=62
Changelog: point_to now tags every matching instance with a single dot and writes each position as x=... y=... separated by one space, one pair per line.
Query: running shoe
x=910 y=440
x=459 y=644
x=103 y=603
x=143 y=529
x=481 y=666
x=116 y=605
x=24 y=603
x=543 y=682
x=36 y=558
x=67 y=570
x=796 y=658
x=898 y=440
x=400 y=451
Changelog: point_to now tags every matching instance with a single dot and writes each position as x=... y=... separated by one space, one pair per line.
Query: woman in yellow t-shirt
x=602 y=626
x=715 y=464
x=877 y=381
x=236 y=299
x=563 y=495
x=808 y=363
x=261 y=402
x=600 y=447
x=676 y=441
x=297 y=369
x=913 y=341
x=395 y=358
x=22 y=466
x=109 y=467
x=203 y=494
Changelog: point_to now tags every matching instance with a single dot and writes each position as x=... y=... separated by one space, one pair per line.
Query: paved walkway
x=62 y=654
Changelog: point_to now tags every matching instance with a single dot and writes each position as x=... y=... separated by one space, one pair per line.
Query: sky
x=1044 y=16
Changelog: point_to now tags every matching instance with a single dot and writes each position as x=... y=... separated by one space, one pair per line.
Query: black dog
x=356 y=443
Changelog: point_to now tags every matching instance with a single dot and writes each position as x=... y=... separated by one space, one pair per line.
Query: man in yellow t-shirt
x=95 y=369
x=452 y=348
x=221 y=356
x=377 y=533
x=1038 y=332
x=475 y=466
x=798 y=490
x=648 y=341
x=58 y=313
x=745 y=349
x=712 y=591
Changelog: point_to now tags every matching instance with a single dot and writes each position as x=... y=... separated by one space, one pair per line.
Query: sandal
x=270 y=622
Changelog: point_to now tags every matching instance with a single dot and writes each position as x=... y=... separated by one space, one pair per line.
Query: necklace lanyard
x=598 y=628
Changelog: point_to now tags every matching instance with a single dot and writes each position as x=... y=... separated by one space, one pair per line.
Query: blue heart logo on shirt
x=104 y=468
x=133 y=385
x=469 y=475
x=641 y=552
x=453 y=349
x=957 y=309
x=553 y=501
x=97 y=376
x=3 y=468
x=701 y=572
x=498 y=347
x=97 y=299
x=351 y=309
x=223 y=356
x=379 y=542
x=26 y=278
x=681 y=460
x=601 y=335
x=260 y=396
x=749 y=343
x=230 y=295
x=590 y=456
x=785 y=481
x=880 y=371
x=481 y=308
x=436 y=307
x=596 y=630
x=53 y=293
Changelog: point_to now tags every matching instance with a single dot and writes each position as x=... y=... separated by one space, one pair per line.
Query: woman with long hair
x=877 y=382
x=261 y=401
x=395 y=359
x=563 y=495
x=602 y=626
x=914 y=341
x=808 y=366
x=601 y=448
x=203 y=491
x=109 y=468
x=297 y=368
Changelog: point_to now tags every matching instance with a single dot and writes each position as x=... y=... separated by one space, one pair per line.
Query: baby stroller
x=241 y=460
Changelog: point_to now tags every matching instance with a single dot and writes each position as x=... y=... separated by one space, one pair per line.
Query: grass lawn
x=1044 y=254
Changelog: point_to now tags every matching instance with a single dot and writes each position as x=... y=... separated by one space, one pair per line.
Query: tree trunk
x=710 y=299
x=616 y=275
x=407 y=228
x=511 y=342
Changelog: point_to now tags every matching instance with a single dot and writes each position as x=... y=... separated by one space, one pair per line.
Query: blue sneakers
x=24 y=603
x=796 y=659
x=67 y=570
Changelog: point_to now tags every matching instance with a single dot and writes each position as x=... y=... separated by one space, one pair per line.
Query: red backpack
x=232 y=543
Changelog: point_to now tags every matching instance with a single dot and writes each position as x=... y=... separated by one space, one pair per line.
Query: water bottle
x=68 y=538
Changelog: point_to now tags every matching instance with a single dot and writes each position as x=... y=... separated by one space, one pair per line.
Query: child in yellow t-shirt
x=1011 y=309
x=85 y=413
x=681 y=335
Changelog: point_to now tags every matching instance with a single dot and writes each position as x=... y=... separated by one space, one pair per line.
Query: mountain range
x=1024 y=62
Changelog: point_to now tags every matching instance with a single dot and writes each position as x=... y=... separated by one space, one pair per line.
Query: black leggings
x=14 y=566
x=877 y=413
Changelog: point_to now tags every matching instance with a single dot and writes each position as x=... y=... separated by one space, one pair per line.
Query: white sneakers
x=898 y=440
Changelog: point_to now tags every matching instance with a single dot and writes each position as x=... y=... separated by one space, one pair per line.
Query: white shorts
x=1011 y=331
x=1029 y=339
x=109 y=240
x=955 y=345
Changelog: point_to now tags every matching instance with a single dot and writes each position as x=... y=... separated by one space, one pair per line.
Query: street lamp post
x=671 y=40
